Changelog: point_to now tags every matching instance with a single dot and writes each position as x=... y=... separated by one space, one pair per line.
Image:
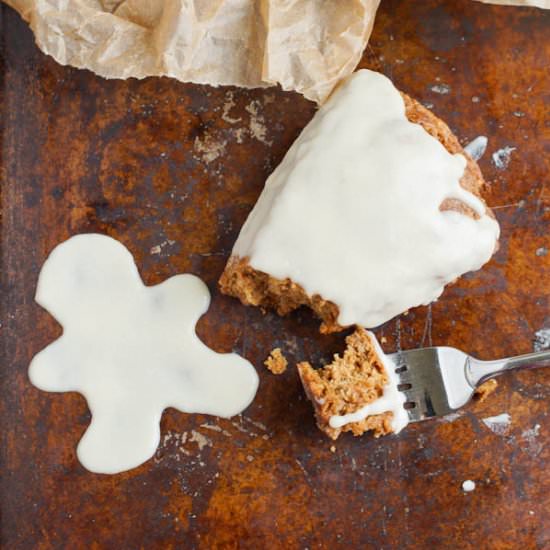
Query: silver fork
x=437 y=381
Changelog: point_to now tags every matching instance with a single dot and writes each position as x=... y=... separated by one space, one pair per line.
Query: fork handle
x=478 y=371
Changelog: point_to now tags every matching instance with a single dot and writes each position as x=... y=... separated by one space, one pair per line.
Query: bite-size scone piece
x=357 y=392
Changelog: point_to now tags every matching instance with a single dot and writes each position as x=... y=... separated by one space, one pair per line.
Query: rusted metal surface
x=172 y=170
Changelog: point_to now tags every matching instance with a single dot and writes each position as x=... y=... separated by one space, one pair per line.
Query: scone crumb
x=332 y=449
x=486 y=389
x=383 y=340
x=276 y=362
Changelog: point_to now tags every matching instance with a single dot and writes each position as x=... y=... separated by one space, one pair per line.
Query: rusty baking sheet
x=172 y=170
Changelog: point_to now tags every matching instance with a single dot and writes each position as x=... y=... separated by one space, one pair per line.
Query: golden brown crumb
x=276 y=362
x=257 y=288
x=332 y=449
x=349 y=383
x=486 y=389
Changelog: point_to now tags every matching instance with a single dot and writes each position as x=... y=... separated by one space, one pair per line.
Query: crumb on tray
x=486 y=389
x=276 y=362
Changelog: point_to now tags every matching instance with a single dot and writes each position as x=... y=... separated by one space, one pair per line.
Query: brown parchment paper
x=304 y=45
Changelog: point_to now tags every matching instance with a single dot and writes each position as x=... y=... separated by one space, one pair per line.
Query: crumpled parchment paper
x=304 y=45
x=532 y=3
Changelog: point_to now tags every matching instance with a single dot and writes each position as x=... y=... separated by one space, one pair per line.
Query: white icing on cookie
x=131 y=350
x=353 y=214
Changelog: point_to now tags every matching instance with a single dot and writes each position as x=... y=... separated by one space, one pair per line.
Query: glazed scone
x=357 y=392
x=373 y=210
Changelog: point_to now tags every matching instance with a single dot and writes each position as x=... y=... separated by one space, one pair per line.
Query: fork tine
x=423 y=405
x=421 y=379
x=405 y=377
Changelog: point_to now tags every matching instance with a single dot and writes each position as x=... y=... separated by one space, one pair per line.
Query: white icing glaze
x=503 y=418
x=468 y=486
x=352 y=213
x=131 y=350
x=499 y=424
x=392 y=399
x=477 y=147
